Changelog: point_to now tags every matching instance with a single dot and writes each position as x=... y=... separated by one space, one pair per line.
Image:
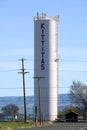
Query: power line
x=60 y=70
x=60 y=60
x=32 y=88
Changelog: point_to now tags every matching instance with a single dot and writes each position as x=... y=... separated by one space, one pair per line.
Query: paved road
x=61 y=126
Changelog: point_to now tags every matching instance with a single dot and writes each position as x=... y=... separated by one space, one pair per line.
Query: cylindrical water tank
x=46 y=66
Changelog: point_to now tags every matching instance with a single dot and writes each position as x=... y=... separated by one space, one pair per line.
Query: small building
x=71 y=117
x=10 y=117
x=7 y=117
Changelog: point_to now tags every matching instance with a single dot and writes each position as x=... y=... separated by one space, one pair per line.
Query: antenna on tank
x=44 y=15
x=57 y=18
x=37 y=15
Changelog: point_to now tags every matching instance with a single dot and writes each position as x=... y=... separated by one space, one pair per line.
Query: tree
x=10 y=109
x=78 y=92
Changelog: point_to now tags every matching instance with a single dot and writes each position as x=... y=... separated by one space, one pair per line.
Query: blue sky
x=17 y=41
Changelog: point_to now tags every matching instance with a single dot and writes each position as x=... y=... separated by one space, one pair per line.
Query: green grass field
x=14 y=125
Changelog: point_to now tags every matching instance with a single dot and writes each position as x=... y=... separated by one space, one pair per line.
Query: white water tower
x=46 y=65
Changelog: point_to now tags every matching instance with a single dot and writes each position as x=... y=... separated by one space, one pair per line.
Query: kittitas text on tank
x=42 y=43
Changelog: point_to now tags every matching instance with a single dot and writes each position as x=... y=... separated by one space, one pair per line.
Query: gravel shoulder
x=61 y=126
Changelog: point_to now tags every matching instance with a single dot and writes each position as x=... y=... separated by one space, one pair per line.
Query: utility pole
x=24 y=93
x=39 y=99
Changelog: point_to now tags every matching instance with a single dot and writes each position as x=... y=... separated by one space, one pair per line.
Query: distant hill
x=63 y=101
x=19 y=102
